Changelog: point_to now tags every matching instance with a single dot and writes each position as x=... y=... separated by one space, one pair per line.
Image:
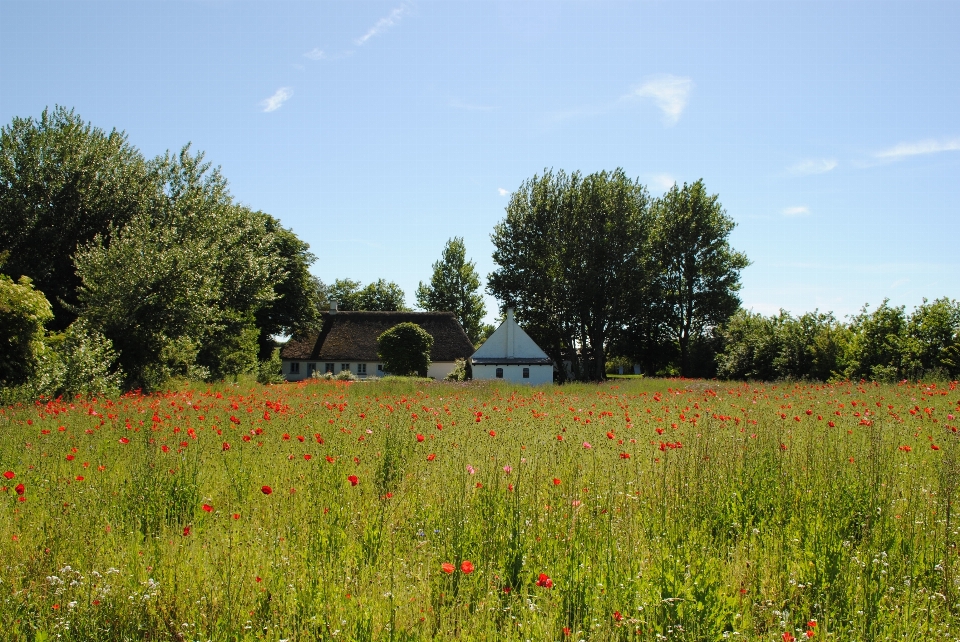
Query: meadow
x=398 y=510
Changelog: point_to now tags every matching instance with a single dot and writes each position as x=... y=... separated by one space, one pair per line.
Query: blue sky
x=378 y=130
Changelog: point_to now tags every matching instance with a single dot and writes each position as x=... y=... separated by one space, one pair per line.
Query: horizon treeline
x=886 y=344
x=120 y=272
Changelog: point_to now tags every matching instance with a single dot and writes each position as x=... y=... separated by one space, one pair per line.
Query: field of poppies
x=642 y=509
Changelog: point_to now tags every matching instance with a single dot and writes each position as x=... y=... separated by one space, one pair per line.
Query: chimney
x=333 y=306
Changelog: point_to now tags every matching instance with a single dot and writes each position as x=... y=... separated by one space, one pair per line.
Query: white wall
x=440 y=369
x=538 y=374
x=437 y=370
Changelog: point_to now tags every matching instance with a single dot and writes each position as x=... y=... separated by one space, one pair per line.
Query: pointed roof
x=510 y=345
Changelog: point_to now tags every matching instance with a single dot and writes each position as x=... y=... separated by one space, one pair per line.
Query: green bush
x=405 y=349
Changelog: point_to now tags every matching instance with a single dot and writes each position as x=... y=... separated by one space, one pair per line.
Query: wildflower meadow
x=405 y=510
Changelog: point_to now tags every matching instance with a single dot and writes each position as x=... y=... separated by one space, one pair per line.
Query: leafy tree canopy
x=62 y=183
x=455 y=287
x=571 y=257
x=379 y=296
x=697 y=272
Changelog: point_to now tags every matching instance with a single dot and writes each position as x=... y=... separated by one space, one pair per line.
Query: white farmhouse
x=348 y=341
x=512 y=355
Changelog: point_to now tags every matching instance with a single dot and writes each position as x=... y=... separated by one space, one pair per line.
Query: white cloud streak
x=275 y=102
x=670 y=93
x=502 y=191
x=800 y=210
x=929 y=146
x=315 y=54
x=663 y=181
x=383 y=25
x=813 y=166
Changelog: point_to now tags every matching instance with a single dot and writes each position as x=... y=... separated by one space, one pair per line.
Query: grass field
x=637 y=510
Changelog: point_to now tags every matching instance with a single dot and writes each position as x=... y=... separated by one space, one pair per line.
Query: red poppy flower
x=556 y=482
x=208 y=508
x=447 y=567
x=124 y=440
x=420 y=437
x=466 y=566
x=19 y=489
x=610 y=435
x=266 y=490
x=493 y=433
x=79 y=477
x=308 y=457
x=9 y=474
x=236 y=515
x=431 y=456
x=618 y=616
x=165 y=448
x=70 y=457
x=186 y=531
x=544 y=581
x=225 y=446
x=353 y=479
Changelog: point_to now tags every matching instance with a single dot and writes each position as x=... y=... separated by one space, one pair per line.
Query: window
x=311 y=368
x=328 y=367
x=294 y=367
x=379 y=367
x=499 y=373
x=526 y=373
x=344 y=367
x=361 y=369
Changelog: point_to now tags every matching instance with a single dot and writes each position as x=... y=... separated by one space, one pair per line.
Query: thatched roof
x=352 y=336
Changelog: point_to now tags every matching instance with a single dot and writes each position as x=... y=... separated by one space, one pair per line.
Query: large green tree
x=177 y=289
x=62 y=183
x=572 y=254
x=379 y=296
x=455 y=287
x=698 y=272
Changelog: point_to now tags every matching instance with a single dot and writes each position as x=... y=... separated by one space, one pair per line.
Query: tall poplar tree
x=455 y=287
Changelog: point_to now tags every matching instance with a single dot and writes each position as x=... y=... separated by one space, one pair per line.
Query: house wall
x=437 y=370
x=440 y=369
x=514 y=373
x=304 y=373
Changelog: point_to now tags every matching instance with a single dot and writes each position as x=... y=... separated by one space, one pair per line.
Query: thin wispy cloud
x=813 y=166
x=315 y=54
x=670 y=93
x=663 y=181
x=275 y=102
x=799 y=210
x=919 y=148
x=502 y=191
x=383 y=25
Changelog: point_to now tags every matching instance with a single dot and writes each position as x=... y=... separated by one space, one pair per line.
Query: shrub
x=405 y=349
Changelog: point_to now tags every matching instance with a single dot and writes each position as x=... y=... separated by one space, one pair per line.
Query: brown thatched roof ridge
x=352 y=336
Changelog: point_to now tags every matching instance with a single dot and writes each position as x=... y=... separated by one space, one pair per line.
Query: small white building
x=512 y=355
